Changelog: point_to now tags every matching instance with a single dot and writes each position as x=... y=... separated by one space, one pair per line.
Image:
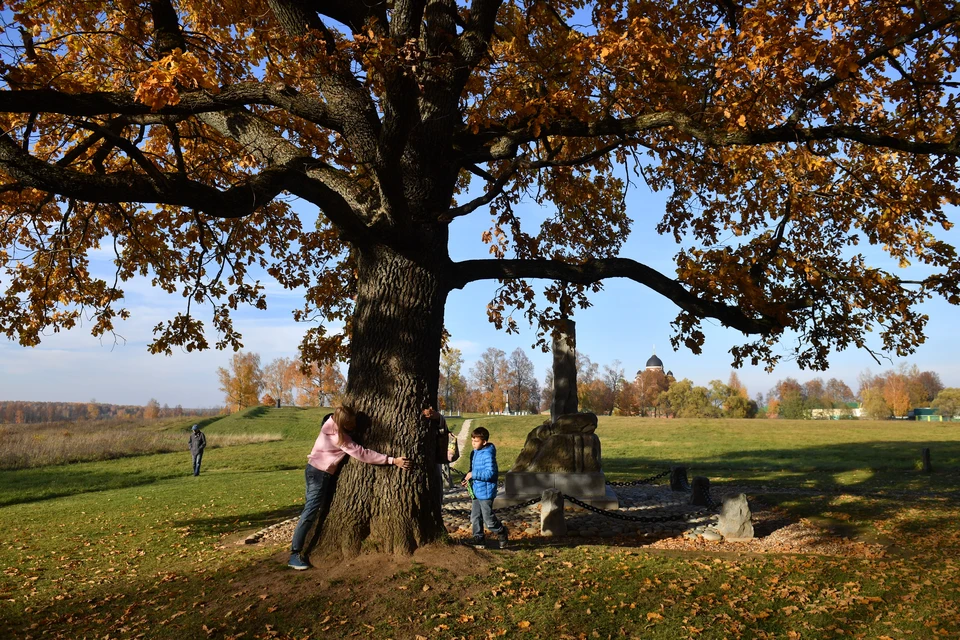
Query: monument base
x=591 y=488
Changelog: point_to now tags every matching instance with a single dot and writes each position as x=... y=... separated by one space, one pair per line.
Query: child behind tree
x=482 y=481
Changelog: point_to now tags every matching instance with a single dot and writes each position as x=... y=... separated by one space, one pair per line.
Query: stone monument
x=564 y=370
x=562 y=455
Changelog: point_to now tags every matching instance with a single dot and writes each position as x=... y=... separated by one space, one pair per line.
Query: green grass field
x=138 y=548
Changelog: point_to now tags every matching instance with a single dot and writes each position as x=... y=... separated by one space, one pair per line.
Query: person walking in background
x=323 y=464
x=481 y=481
x=198 y=442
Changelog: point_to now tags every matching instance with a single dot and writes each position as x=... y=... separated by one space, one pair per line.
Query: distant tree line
x=498 y=382
x=796 y=400
x=246 y=383
x=895 y=393
x=27 y=412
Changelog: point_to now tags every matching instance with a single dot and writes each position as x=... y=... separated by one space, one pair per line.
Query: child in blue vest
x=482 y=482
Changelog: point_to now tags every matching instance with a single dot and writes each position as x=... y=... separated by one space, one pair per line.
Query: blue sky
x=626 y=323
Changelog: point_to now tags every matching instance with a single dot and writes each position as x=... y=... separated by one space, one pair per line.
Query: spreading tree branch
x=99 y=103
x=129 y=186
x=490 y=145
x=594 y=271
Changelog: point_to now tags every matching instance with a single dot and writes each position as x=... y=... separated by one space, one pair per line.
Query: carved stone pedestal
x=589 y=487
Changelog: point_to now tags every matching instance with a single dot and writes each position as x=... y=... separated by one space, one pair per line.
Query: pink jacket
x=327 y=454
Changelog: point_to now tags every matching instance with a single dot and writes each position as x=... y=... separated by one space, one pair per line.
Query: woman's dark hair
x=480 y=432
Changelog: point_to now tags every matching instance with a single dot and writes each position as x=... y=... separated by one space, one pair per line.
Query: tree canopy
x=786 y=134
x=177 y=135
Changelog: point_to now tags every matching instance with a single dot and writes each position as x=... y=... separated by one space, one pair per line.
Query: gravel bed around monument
x=691 y=529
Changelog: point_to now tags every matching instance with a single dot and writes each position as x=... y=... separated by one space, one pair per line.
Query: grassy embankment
x=50 y=443
x=136 y=547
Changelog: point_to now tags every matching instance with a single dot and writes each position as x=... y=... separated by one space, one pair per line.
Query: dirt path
x=463 y=438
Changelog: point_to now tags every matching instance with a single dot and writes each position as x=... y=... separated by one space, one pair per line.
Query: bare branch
x=131 y=150
x=355 y=15
x=472 y=43
x=594 y=271
x=496 y=188
x=262 y=140
x=498 y=184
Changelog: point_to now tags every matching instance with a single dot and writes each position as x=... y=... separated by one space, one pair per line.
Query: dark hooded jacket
x=198 y=442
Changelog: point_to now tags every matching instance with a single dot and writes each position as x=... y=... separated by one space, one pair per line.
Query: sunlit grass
x=138 y=546
x=810 y=453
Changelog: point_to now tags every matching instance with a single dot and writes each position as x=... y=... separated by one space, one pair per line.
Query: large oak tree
x=176 y=135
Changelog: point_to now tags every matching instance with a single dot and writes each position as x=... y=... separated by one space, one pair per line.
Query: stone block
x=551 y=514
x=678 y=479
x=734 y=522
x=589 y=487
x=700 y=491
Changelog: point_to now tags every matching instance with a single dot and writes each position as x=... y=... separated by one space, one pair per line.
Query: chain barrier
x=711 y=503
x=624 y=483
x=515 y=507
x=674 y=517
x=711 y=507
x=633 y=483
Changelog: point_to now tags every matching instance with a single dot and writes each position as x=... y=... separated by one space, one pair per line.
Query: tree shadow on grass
x=235 y=524
x=47 y=483
x=256 y=412
x=24 y=486
x=885 y=465
x=243 y=597
x=884 y=477
x=206 y=422
x=810 y=490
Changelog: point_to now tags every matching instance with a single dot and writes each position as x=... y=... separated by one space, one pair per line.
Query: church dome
x=654 y=363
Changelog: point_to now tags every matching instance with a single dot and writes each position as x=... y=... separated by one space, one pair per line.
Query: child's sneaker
x=502 y=537
x=478 y=543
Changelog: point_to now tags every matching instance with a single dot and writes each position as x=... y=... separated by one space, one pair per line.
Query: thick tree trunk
x=394 y=373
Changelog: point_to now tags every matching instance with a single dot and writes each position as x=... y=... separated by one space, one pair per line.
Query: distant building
x=928 y=414
x=655 y=364
x=852 y=410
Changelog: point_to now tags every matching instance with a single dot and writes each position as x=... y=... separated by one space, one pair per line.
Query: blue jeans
x=320 y=486
x=197 y=457
x=483 y=510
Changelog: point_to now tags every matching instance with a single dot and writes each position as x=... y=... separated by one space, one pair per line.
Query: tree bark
x=394 y=374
